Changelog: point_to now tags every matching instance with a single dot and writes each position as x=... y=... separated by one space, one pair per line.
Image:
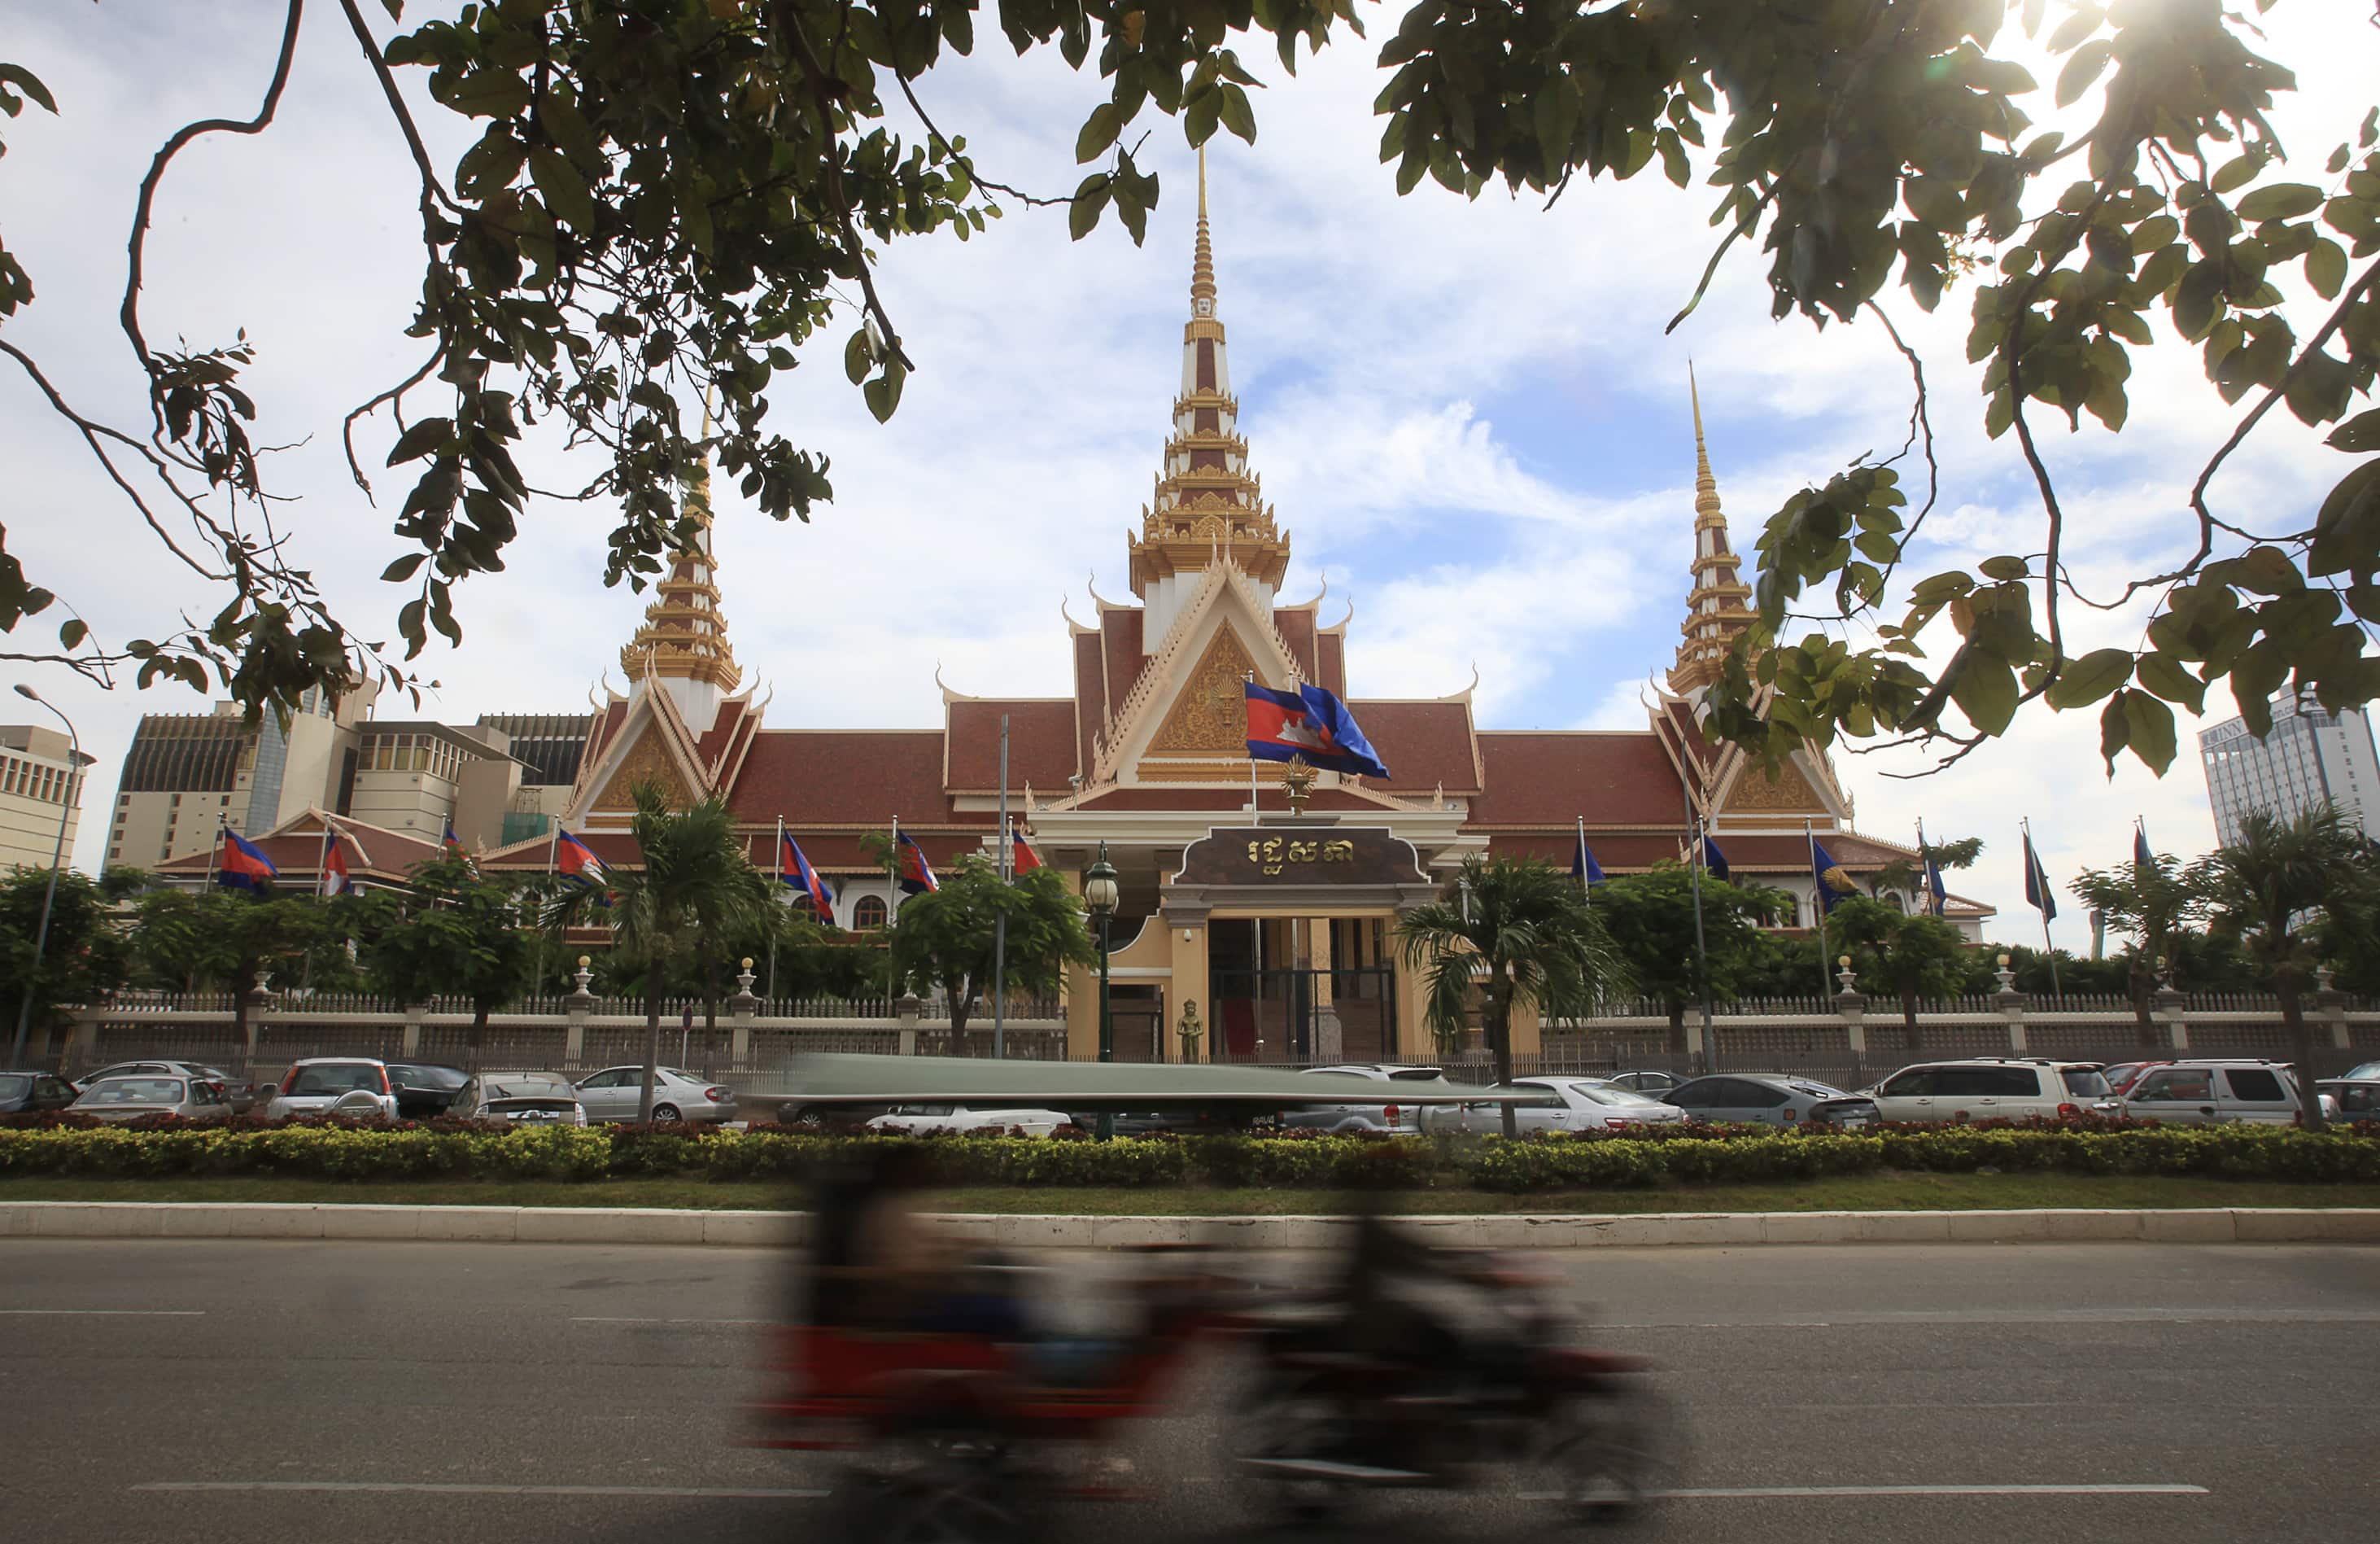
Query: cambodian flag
x=574 y=860
x=1024 y=859
x=1583 y=867
x=805 y=880
x=1310 y=722
x=337 y=881
x=916 y=874
x=242 y=865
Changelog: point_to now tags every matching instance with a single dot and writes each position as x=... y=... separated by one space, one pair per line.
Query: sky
x=1467 y=414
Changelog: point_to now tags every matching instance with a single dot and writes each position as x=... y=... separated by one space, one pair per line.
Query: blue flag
x=1938 y=895
x=1832 y=884
x=2142 y=857
x=1583 y=867
x=1713 y=859
x=2037 y=893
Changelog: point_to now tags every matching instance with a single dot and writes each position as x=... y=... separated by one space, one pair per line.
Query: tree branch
x=394 y=395
x=817 y=75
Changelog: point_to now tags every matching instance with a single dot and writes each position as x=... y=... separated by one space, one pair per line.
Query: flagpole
x=1925 y=879
x=1702 y=959
x=999 y=923
x=2040 y=878
x=322 y=862
x=777 y=897
x=1255 y=810
x=1585 y=886
x=1819 y=899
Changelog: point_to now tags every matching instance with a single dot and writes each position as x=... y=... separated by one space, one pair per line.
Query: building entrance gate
x=1275 y=1016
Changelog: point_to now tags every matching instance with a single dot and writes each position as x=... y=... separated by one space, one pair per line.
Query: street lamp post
x=57 y=858
x=1099 y=895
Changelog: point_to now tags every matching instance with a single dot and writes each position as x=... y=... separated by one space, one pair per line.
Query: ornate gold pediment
x=1209 y=712
x=1789 y=791
x=648 y=762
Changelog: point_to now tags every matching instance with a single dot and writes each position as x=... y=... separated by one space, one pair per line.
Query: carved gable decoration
x=1787 y=791
x=648 y=762
x=1210 y=714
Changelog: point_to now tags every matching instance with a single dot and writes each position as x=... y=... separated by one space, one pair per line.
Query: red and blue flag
x=917 y=875
x=803 y=879
x=1310 y=722
x=1024 y=859
x=335 y=881
x=243 y=865
x=577 y=861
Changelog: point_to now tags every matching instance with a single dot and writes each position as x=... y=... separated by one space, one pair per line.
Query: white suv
x=2207 y=1090
x=317 y=1084
x=1994 y=1088
x=1376 y=1111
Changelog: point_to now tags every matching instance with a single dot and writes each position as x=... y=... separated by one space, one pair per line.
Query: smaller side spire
x=1717 y=606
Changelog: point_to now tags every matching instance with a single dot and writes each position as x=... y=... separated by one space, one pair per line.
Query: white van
x=2203 y=1092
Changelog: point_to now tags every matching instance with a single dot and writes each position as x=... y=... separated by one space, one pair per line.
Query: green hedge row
x=1486 y=1163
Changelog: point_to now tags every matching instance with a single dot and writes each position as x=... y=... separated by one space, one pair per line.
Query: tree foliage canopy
x=944 y=937
x=451 y=931
x=1650 y=920
x=668 y=199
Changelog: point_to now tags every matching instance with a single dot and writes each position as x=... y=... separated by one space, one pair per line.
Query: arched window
x=868 y=912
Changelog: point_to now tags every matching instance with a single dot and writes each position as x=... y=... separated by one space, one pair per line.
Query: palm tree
x=2270 y=889
x=1527 y=929
x=697 y=881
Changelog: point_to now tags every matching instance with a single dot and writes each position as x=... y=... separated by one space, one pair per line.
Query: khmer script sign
x=1299 y=855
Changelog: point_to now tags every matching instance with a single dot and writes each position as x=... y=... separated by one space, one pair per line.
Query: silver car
x=317 y=1084
x=520 y=1097
x=1770 y=1099
x=129 y=1099
x=239 y=1095
x=615 y=1093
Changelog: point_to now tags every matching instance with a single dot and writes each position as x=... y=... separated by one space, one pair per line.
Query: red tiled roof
x=1536 y=777
x=713 y=743
x=1090 y=696
x=1296 y=629
x=841 y=777
x=1424 y=744
x=1125 y=650
x=1332 y=648
x=368 y=848
x=1272 y=797
x=1615 y=852
x=1040 y=744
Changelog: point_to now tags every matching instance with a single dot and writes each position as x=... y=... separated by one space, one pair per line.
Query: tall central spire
x=1206 y=501
x=1716 y=609
x=682 y=640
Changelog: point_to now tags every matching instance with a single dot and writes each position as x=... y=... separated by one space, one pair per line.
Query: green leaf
x=489 y=93
x=883 y=393
x=2089 y=62
x=1099 y=131
x=2347 y=532
x=1238 y=115
x=2238 y=172
x=2280 y=200
x=565 y=191
x=1987 y=692
x=72 y=632
x=425 y=436
x=857 y=358
x=404 y=568
x=2151 y=730
x=2358 y=434
x=28 y=82
x=2326 y=267
x=1940 y=588
x=2114 y=730
x=2083 y=682
x=1090 y=198
x=2004 y=570
x=2164 y=676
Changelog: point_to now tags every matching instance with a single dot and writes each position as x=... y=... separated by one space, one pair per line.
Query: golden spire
x=1716 y=608
x=1202 y=260
x=685 y=633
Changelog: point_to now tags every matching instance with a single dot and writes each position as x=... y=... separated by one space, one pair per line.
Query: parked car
x=1163 y=1122
x=2350 y=1099
x=618 y=1094
x=240 y=1093
x=522 y=1098
x=2363 y=1071
x=828 y=1118
x=31 y=1093
x=424 y=1088
x=313 y=1085
x=2123 y=1074
x=1378 y=1112
x=926 y=1119
x=1770 y=1099
x=1994 y=1088
x=2209 y=1090
x=1646 y=1081
x=1585 y=1104
x=129 y=1099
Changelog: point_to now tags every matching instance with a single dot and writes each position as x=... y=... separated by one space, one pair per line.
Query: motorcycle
x=1332 y=1415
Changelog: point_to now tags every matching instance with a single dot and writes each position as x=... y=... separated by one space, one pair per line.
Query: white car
x=1994 y=1088
x=520 y=1098
x=926 y=1120
x=618 y=1094
x=1587 y=1104
x=2209 y=1090
x=1376 y=1110
x=313 y=1086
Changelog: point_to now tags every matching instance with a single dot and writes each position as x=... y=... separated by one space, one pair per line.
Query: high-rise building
x=41 y=781
x=2311 y=757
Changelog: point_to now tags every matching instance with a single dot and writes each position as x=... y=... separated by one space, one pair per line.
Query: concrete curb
x=1518 y=1231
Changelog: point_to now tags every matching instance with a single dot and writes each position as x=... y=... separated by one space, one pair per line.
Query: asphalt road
x=305 y=1390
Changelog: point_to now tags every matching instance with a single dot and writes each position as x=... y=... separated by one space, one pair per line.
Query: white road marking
x=698 y=1492
x=104 y=1313
x=2079 y=1317
x=1793 y=1492
x=601 y=1319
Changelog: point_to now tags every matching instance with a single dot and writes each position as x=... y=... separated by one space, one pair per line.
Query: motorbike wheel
x=945 y=1486
x=1612 y=1455
x=1290 y=1422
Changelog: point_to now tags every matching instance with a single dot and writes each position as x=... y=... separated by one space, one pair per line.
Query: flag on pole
x=575 y=861
x=1832 y=884
x=1023 y=860
x=1583 y=867
x=1714 y=860
x=335 y=879
x=802 y=878
x=917 y=875
x=1938 y=894
x=242 y=865
x=1310 y=722
x=454 y=846
x=2037 y=892
x=2142 y=857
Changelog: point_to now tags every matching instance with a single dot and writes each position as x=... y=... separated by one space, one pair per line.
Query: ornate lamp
x=1100 y=896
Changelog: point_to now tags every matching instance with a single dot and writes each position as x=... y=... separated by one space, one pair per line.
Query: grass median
x=1873 y=1192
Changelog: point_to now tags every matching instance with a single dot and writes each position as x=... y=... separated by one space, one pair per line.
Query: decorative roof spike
x=1202 y=260
x=1717 y=606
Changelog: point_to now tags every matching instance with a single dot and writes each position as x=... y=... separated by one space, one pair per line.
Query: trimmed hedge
x=1689 y=1156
